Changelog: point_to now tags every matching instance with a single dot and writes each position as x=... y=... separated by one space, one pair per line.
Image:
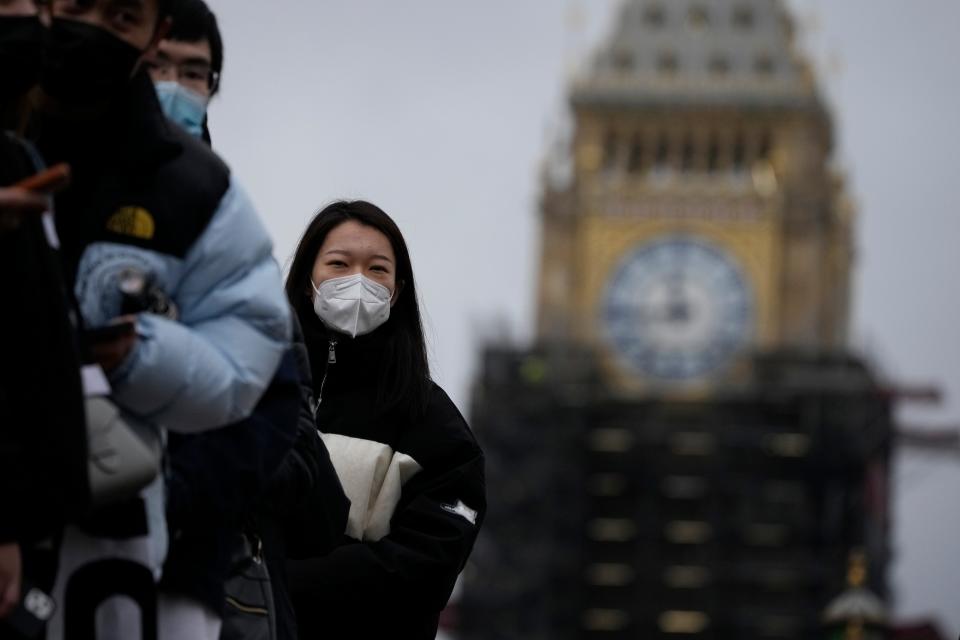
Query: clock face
x=677 y=309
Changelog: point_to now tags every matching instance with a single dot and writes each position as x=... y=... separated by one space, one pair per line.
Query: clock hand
x=678 y=306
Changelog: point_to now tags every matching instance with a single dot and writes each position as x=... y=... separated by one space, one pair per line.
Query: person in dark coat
x=405 y=455
x=43 y=477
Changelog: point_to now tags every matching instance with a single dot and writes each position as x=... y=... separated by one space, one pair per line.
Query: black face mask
x=21 y=47
x=84 y=64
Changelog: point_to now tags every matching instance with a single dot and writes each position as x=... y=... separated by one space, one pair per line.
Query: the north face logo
x=132 y=221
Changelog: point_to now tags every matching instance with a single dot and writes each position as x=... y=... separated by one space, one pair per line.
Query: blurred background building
x=689 y=449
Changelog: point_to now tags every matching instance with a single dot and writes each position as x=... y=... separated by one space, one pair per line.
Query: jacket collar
x=359 y=361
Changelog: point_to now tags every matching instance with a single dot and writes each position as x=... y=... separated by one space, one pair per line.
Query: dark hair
x=193 y=22
x=405 y=376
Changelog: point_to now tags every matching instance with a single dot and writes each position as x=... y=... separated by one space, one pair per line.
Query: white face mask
x=354 y=305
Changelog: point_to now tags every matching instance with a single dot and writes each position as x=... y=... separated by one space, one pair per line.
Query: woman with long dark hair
x=404 y=453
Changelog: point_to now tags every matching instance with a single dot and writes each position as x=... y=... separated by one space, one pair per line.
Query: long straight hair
x=405 y=379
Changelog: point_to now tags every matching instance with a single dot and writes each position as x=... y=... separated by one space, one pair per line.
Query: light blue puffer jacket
x=210 y=367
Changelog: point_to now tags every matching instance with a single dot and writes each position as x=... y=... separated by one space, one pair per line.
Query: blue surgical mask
x=185 y=107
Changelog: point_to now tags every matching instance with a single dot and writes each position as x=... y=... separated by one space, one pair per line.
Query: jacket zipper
x=331 y=359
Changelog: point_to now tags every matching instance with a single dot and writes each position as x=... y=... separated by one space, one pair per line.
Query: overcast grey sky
x=440 y=111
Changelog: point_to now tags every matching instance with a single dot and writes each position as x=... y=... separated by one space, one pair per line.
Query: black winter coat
x=397 y=586
x=43 y=463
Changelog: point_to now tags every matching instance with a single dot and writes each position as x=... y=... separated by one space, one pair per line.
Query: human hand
x=111 y=353
x=15 y=203
x=10 y=577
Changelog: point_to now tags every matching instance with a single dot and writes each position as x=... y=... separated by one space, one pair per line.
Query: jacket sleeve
x=433 y=530
x=210 y=368
x=305 y=495
x=214 y=477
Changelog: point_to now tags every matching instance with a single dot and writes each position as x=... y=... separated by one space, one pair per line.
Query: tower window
x=654 y=16
x=683 y=622
x=743 y=17
x=739 y=155
x=763 y=146
x=667 y=62
x=786 y=23
x=636 y=159
x=663 y=151
x=623 y=60
x=688 y=154
x=610 y=148
x=719 y=65
x=763 y=64
x=699 y=17
x=713 y=153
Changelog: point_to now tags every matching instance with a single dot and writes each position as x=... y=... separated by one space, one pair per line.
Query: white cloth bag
x=372 y=475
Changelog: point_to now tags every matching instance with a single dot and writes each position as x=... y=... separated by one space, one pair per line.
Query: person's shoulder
x=441 y=407
x=187 y=192
x=201 y=172
x=444 y=421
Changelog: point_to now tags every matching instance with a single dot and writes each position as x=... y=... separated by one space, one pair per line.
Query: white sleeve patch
x=462 y=510
x=372 y=476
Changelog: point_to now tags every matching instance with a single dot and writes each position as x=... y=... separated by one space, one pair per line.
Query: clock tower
x=698 y=221
x=689 y=449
